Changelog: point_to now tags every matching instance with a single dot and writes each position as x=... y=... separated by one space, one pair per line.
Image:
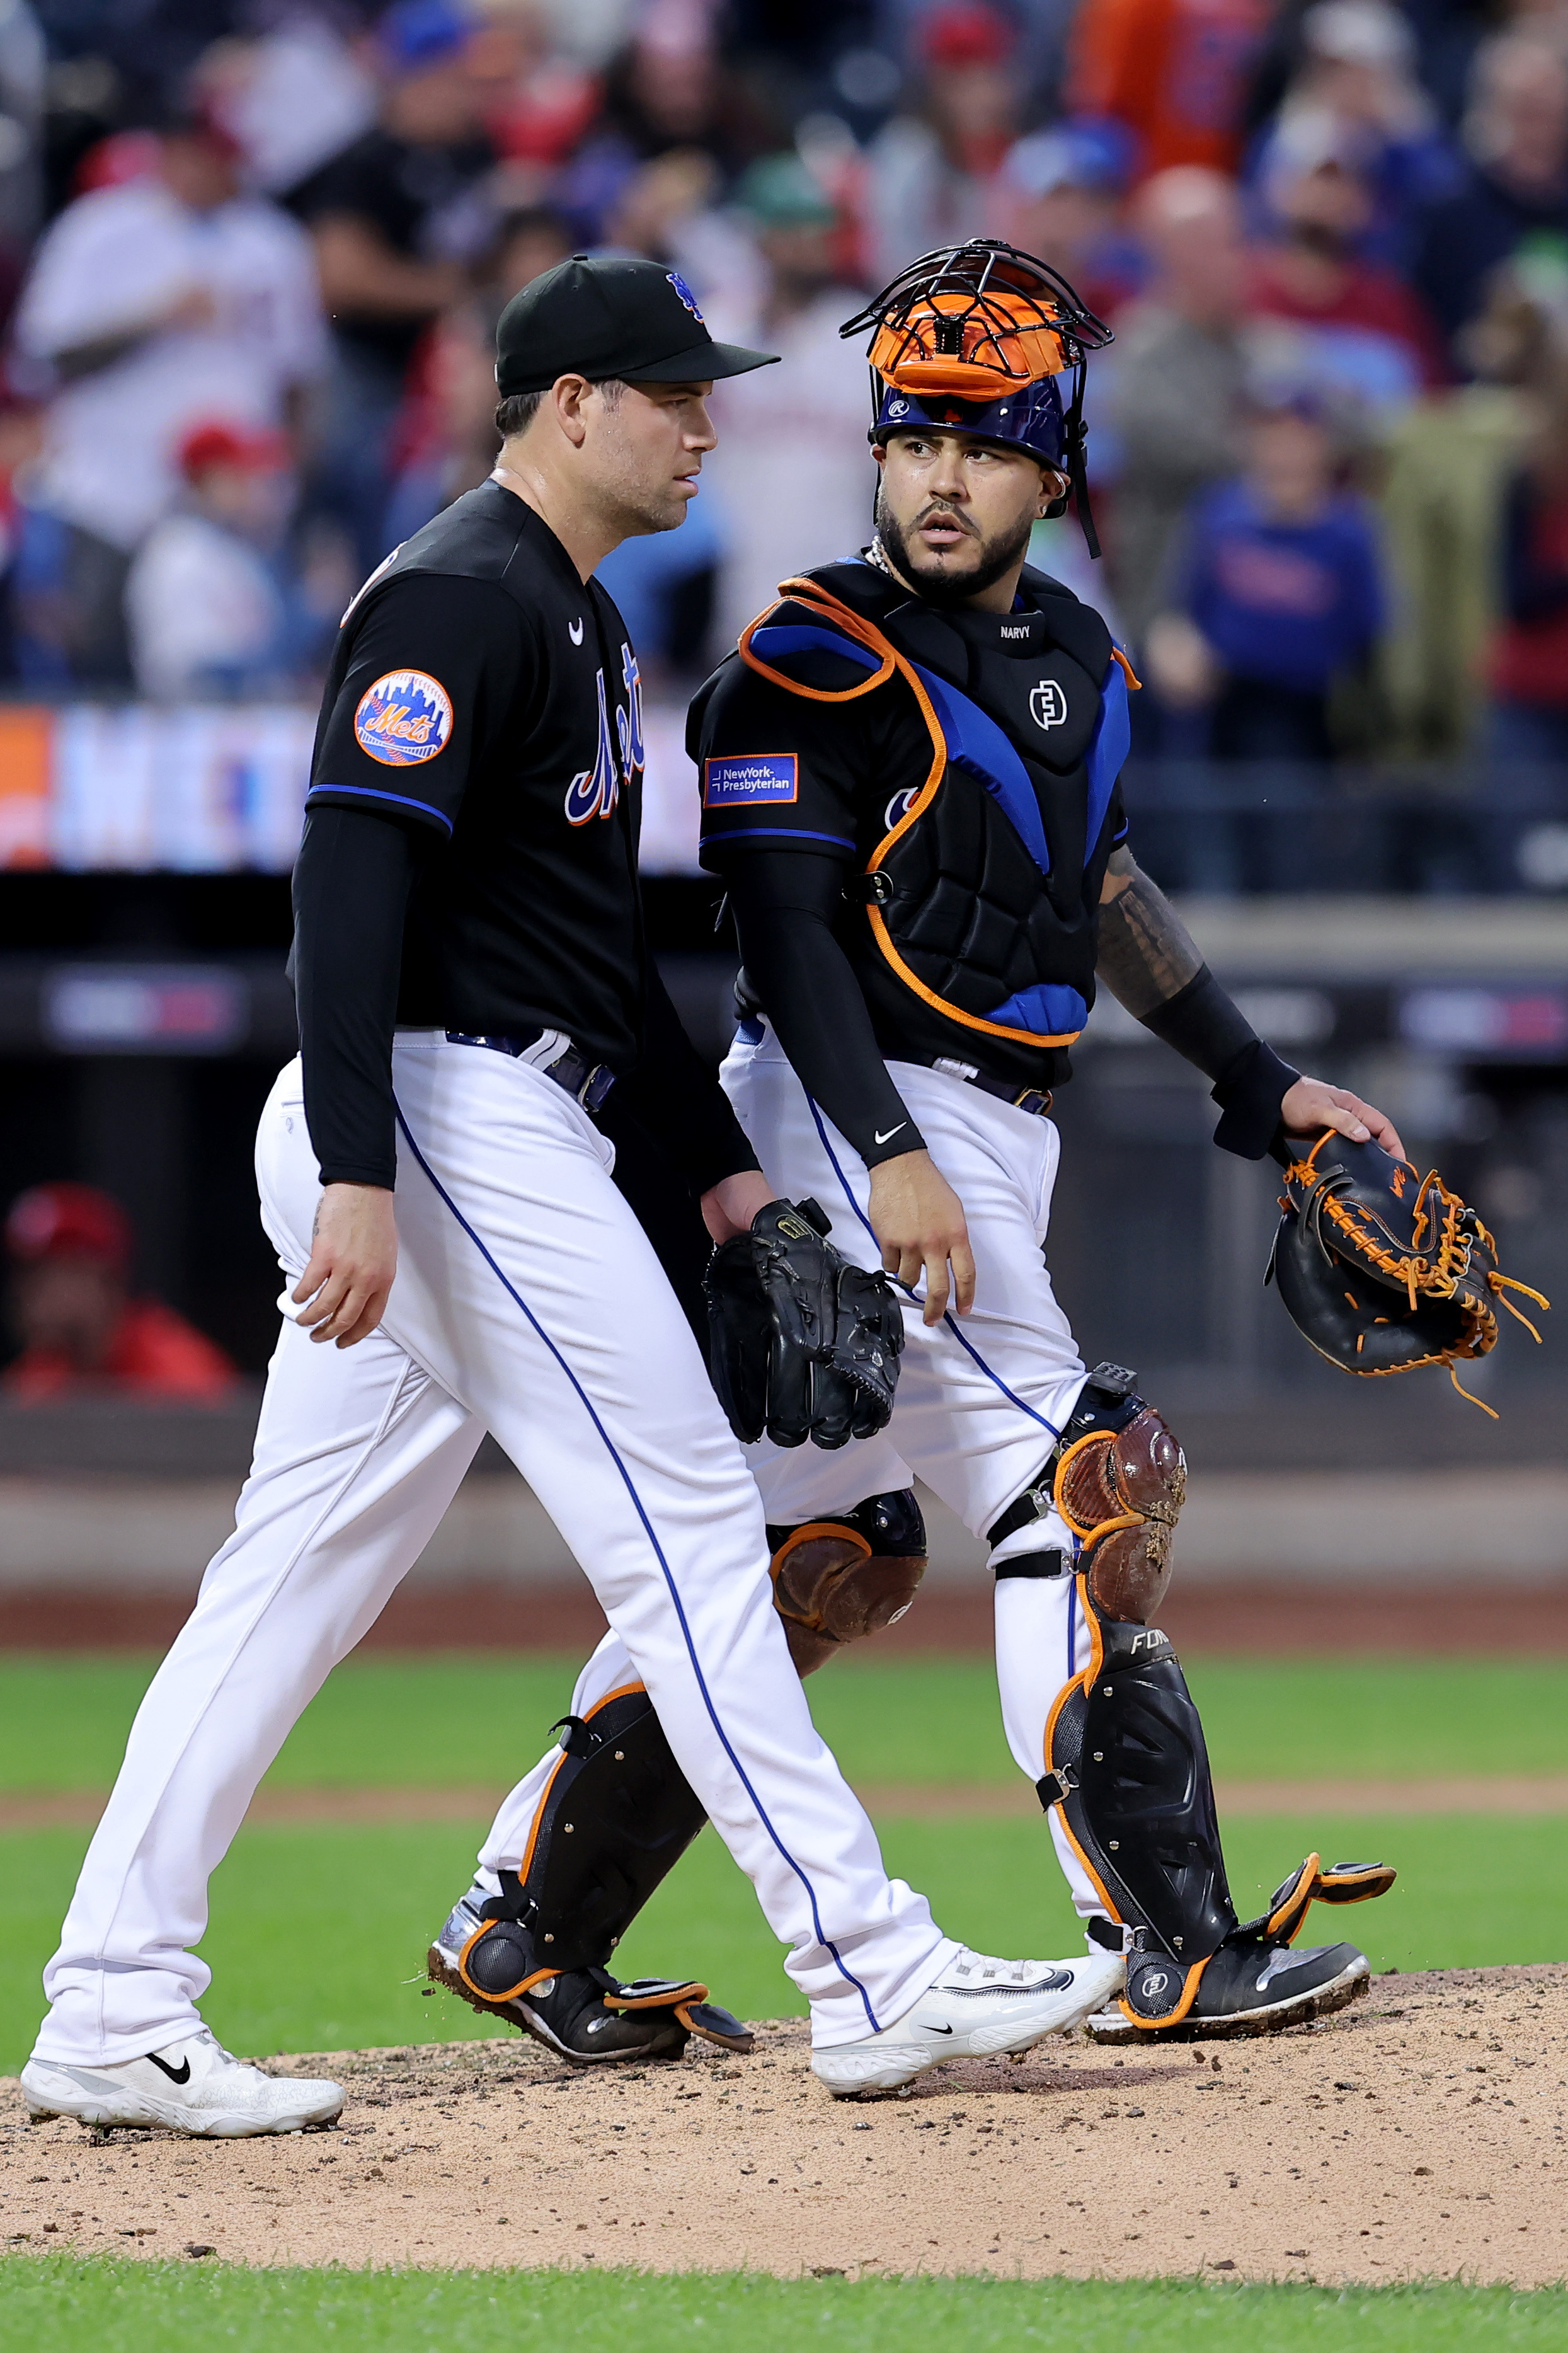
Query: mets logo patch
x=404 y=718
x=686 y=294
x=750 y=781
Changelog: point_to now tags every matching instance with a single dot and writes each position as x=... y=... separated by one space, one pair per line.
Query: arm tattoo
x=1146 y=953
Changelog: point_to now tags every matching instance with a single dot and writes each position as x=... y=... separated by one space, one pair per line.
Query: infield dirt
x=1419 y=2135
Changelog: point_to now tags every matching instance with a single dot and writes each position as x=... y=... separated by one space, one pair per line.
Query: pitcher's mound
x=1420 y=2134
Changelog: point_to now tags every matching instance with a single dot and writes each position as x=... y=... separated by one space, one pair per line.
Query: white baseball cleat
x=193 y=2086
x=977 y=2009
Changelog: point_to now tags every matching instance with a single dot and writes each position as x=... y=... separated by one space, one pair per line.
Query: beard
x=937 y=584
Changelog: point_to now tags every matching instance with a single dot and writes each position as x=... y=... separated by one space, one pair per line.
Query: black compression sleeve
x=676 y=1098
x=1208 y=1029
x=352 y=883
x=784 y=903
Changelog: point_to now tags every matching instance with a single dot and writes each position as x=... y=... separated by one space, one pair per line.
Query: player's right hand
x=354 y=1258
x=919 y=1220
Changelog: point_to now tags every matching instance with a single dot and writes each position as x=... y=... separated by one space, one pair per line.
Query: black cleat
x=1251 y=1987
x=584 y=2016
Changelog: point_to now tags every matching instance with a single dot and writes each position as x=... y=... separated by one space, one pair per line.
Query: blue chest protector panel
x=980 y=749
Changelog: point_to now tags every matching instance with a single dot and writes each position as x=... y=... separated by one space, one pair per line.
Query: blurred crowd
x=80 y=1327
x=253 y=255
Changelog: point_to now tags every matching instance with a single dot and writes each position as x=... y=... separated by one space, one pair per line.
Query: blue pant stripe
x=611 y=1449
x=951 y=1321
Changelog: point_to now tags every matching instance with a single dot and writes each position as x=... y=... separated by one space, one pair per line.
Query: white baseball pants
x=527 y=1301
x=980 y=1400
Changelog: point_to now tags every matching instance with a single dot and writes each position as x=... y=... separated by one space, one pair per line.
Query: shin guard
x=1128 y=1768
x=616 y=1817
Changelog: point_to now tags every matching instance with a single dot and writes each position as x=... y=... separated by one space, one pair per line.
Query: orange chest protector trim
x=1066 y=1004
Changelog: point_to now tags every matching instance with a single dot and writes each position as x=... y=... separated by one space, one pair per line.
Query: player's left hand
x=1311 y=1104
x=728 y=1207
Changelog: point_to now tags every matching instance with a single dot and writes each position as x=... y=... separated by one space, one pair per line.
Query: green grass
x=59 y=2304
x=1472 y=1888
x=63 y=1719
x=1471 y=1891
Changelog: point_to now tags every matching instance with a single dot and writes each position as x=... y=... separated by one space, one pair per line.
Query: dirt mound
x=1420 y=2134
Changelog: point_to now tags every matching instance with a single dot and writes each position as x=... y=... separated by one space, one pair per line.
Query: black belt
x=1036 y=1101
x=586 y=1082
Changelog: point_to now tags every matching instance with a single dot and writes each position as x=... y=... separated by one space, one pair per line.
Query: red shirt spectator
x=1317 y=287
x=81 y=1333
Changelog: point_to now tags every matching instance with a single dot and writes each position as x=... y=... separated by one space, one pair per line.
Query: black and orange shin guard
x=616 y=1816
x=1128 y=1770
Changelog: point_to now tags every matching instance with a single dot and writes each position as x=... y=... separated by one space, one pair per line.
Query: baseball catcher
x=911 y=791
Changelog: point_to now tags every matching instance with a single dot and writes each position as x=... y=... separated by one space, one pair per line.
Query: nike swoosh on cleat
x=938 y=2029
x=180 y=2074
x=892 y=1132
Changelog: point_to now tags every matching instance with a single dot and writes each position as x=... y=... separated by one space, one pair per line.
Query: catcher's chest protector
x=981 y=892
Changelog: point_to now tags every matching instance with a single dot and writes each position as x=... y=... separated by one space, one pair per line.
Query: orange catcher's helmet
x=977 y=338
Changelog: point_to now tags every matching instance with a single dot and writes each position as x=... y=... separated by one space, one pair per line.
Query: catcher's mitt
x=1385 y=1271
x=801 y=1342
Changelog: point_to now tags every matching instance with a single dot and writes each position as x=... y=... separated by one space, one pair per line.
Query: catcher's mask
x=971 y=339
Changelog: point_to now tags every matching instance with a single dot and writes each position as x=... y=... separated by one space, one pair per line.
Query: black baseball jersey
x=471 y=851
x=970 y=798
x=483 y=693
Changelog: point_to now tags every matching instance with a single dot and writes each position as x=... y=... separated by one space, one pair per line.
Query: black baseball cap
x=611 y=317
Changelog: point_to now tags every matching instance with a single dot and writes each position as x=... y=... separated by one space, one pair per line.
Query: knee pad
x=836 y=1581
x=617 y=1816
x=1119 y=1479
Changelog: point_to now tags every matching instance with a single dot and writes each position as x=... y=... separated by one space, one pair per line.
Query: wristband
x=1208 y=1029
x=1250 y=1098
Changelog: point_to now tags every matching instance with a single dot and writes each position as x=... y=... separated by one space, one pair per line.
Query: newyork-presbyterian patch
x=404 y=718
x=749 y=780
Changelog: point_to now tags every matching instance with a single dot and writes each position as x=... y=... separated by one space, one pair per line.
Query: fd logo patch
x=404 y=718
x=686 y=294
x=1047 y=704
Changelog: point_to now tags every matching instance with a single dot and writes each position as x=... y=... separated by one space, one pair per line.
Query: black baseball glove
x=1385 y=1271
x=801 y=1344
